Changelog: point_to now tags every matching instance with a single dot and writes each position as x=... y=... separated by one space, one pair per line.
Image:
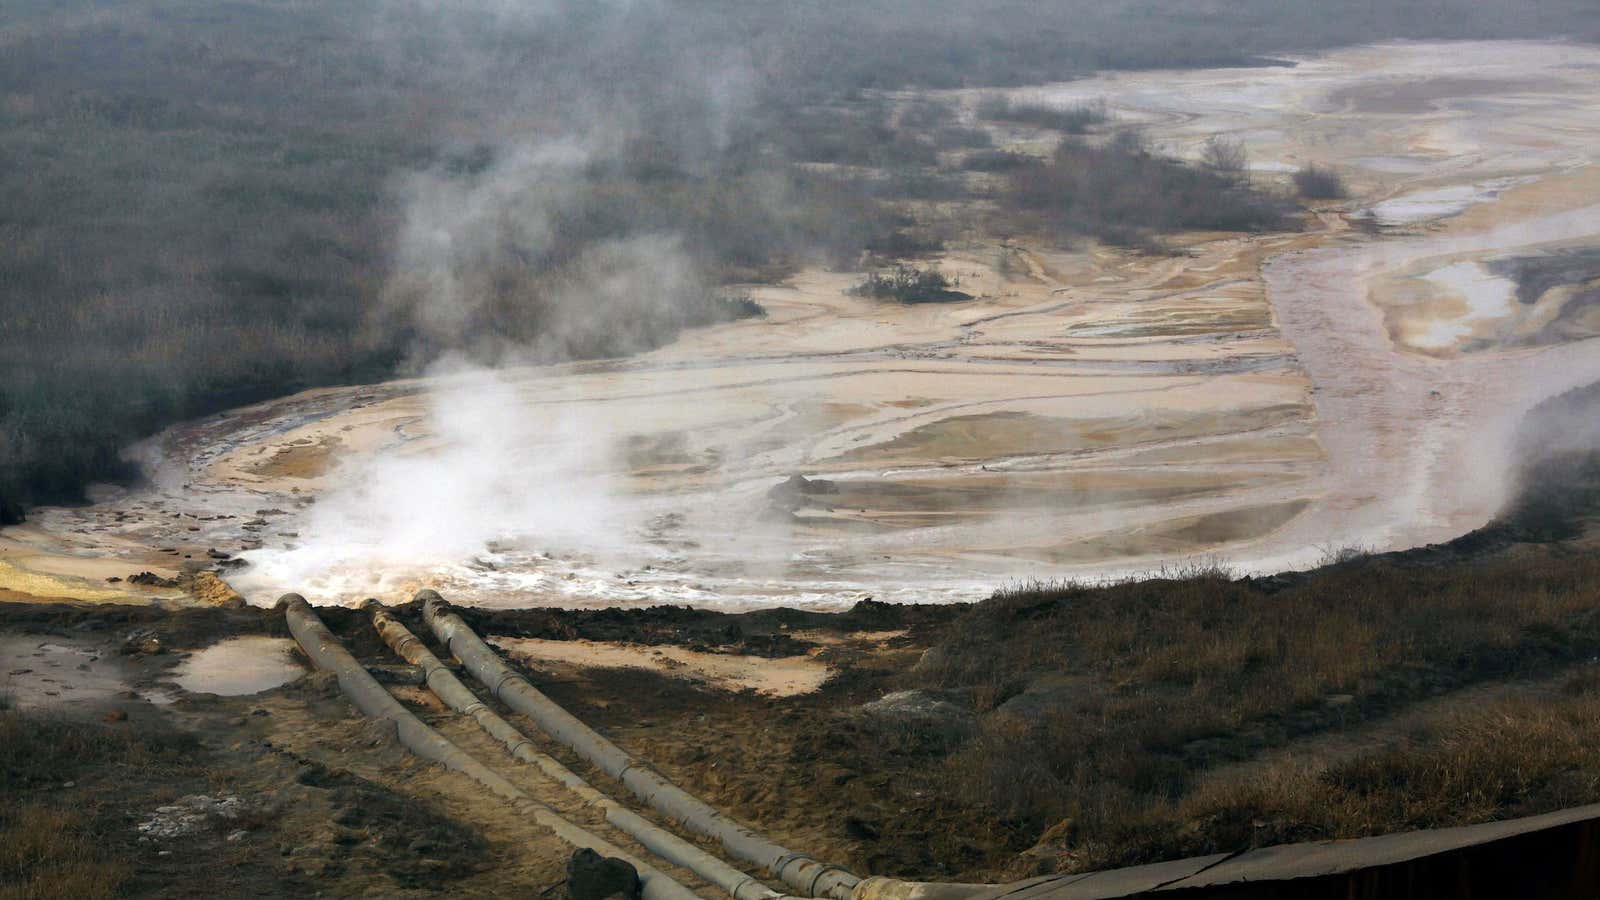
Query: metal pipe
x=801 y=872
x=328 y=654
x=654 y=838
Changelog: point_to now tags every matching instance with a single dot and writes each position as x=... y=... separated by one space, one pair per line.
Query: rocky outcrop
x=591 y=876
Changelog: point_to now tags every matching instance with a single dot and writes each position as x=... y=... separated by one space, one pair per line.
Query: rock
x=931 y=659
x=207 y=587
x=144 y=642
x=214 y=553
x=861 y=829
x=791 y=493
x=151 y=579
x=923 y=706
x=799 y=484
x=1051 y=693
x=591 y=876
x=114 y=579
x=189 y=815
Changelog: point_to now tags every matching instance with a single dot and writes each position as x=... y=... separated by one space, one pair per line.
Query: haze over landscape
x=1106 y=423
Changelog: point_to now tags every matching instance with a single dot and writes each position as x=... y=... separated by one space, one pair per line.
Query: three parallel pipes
x=652 y=837
x=327 y=654
x=807 y=876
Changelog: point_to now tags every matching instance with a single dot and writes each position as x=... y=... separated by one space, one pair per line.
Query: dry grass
x=41 y=749
x=48 y=852
x=1499 y=762
x=1134 y=690
x=49 y=849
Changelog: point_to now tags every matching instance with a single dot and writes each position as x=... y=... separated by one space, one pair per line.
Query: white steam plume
x=489 y=469
x=497 y=264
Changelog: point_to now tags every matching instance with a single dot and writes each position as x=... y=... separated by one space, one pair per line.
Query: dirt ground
x=333 y=805
x=328 y=803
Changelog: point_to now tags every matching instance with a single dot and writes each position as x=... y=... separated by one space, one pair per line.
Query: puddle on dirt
x=38 y=671
x=786 y=676
x=239 y=666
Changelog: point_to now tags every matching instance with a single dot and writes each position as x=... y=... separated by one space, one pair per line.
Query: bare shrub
x=998 y=161
x=1226 y=157
x=1338 y=554
x=1076 y=118
x=1315 y=182
x=909 y=284
x=1124 y=193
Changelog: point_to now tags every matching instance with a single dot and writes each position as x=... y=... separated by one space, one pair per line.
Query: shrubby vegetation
x=1075 y=119
x=1226 y=158
x=198 y=200
x=997 y=161
x=909 y=284
x=1319 y=183
x=1123 y=193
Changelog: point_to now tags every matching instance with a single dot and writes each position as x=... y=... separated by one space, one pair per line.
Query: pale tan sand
x=1090 y=412
x=780 y=677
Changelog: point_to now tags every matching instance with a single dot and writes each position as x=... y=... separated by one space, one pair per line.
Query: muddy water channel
x=1091 y=412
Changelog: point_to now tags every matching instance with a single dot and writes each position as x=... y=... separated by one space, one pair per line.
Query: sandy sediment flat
x=1089 y=412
